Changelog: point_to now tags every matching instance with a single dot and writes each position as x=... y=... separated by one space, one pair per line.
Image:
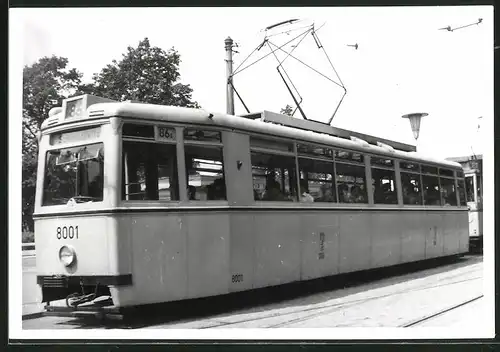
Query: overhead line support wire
x=291 y=82
x=280 y=63
x=303 y=63
x=338 y=106
x=291 y=40
x=239 y=97
x=287 y=31
x=291 y=51
x=293 y=96
x=328 y=58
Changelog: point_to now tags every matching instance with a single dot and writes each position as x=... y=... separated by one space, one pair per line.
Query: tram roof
x=269 y=125
x=310 y=125
x=463 y=159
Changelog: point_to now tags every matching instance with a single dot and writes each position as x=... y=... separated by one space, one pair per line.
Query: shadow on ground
x=260 y=300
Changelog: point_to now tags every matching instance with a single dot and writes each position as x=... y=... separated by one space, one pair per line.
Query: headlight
x=67 y=255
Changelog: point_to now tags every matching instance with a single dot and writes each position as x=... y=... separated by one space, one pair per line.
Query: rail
x=431 y=316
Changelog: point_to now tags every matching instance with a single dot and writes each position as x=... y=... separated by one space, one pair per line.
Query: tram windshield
x=74 y=174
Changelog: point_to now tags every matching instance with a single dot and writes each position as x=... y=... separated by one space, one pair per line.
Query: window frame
x=124 y=172
x=396 y=176
x=180 y=154
x=265 y=147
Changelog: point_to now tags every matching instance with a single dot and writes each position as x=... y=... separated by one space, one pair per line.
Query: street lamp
x=415 y=122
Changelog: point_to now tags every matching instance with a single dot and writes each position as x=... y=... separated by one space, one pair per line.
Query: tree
x=287 y=110
x=45 y=84
x=147 y=74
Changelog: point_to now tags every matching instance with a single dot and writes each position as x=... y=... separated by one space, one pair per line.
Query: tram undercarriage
x=82 y=295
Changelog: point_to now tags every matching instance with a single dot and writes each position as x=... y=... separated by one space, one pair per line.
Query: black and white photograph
x=294 y=173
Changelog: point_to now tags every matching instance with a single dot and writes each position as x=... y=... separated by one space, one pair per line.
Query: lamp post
x=415 y=119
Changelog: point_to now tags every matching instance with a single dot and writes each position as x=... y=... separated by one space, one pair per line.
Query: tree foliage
x=145 y=73
x=46 y=81
x=45 y=84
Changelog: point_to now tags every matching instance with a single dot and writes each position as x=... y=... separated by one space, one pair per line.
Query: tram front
x=75 y=234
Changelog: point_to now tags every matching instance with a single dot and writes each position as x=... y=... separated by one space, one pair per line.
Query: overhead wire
x=260 y=45
x=289 y=90
x=274 y=47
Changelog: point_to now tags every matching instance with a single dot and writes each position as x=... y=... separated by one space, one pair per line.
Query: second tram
x=473 y=166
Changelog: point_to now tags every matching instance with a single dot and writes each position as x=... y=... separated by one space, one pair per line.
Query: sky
x=403 y=64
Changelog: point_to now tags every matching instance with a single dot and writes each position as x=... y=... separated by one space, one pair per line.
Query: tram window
x=274 y=177
x=469 y=188
x=412 y=189
x=271 y=144
x=315 y=151
x=409 y=166
x=74 y=174
x=195 y=134
x=382 y=162
x=384 y=186
x=349 y=156
x=351 y=183
x=141 y=131
x=448 y=195
x=429 y=170
x=317 y=175
x=149 y=172
x=431 y=190
x=478 y=180
x=205 y=172
x=460 y=174
x=461 y=192
x=446 y=172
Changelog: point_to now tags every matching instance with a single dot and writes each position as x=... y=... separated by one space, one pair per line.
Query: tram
x=141 y=203
x=473 y=166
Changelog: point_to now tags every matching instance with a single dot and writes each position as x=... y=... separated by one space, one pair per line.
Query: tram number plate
x=237 y=278
x=67 y=232
x=165 y=134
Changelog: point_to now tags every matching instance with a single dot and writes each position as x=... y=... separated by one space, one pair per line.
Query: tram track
x=326 y=309
x=311 y=312
x=439 y=313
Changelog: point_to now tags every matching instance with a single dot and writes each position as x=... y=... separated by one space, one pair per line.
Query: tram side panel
x=434 y=241
x=277 y=248
x=158 y=255
x=208 y=254
x=386 y=232
x=319 y=242
x=175 y=257
x=355 y=242
x=241 y=252
x=238 y=175
x=451 y=233
x=413 y=236
x=463 y=233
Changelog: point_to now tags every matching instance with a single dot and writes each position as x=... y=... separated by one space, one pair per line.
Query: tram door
x=474 y=202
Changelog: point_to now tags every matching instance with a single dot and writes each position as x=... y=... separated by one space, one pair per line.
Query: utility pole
x=229 y=73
